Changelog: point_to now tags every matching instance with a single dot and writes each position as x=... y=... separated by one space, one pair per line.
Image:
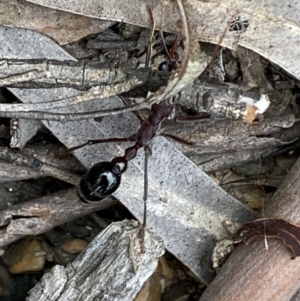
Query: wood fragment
x=96 y=273
x=37 y=166
x=43 y=73
x=40 y=215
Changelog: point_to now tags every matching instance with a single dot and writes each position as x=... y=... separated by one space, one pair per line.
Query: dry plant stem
x=186 y=34
x=103 y=91
x=40 y=215
x=253 y=273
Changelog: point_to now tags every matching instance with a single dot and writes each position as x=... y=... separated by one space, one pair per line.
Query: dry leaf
x=254 y=108
x=63 y=27
x=250 y=113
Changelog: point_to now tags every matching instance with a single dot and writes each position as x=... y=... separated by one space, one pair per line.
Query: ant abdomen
x=100 y=181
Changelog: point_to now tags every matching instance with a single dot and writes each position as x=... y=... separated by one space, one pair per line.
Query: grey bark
x=111 y=268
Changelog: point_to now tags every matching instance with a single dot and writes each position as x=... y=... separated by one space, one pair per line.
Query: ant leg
x=164 y=44
x=169 y=64
x=161 y=34
x=174 y=47
x=136 y=113
x=218 y=46
x=108 y=140
x=145 y=197
x=149 y=47
x=176 y=138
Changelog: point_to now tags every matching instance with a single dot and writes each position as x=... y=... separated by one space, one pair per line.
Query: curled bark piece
x=273 y=228
x=265 y=274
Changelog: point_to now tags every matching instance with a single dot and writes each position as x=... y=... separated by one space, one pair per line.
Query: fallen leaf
x=254 y=108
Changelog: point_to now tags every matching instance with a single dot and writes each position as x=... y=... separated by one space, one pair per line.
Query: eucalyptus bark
x=253 y=272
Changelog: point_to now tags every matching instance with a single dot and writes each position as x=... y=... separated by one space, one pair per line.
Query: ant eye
x=100 y=181
x=165 y=66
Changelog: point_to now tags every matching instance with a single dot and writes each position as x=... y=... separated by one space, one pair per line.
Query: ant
x=104 y=178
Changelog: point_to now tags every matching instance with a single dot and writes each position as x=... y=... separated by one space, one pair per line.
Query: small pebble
x=74 y=246
x=30 y=262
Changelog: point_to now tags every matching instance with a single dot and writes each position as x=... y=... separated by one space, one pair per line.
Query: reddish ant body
x=104 y=177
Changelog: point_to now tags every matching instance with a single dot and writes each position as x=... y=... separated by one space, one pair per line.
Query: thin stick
x=149 y=47
x=176 y=138
x=135 y=112
x=186 y=33
x=187 y=119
